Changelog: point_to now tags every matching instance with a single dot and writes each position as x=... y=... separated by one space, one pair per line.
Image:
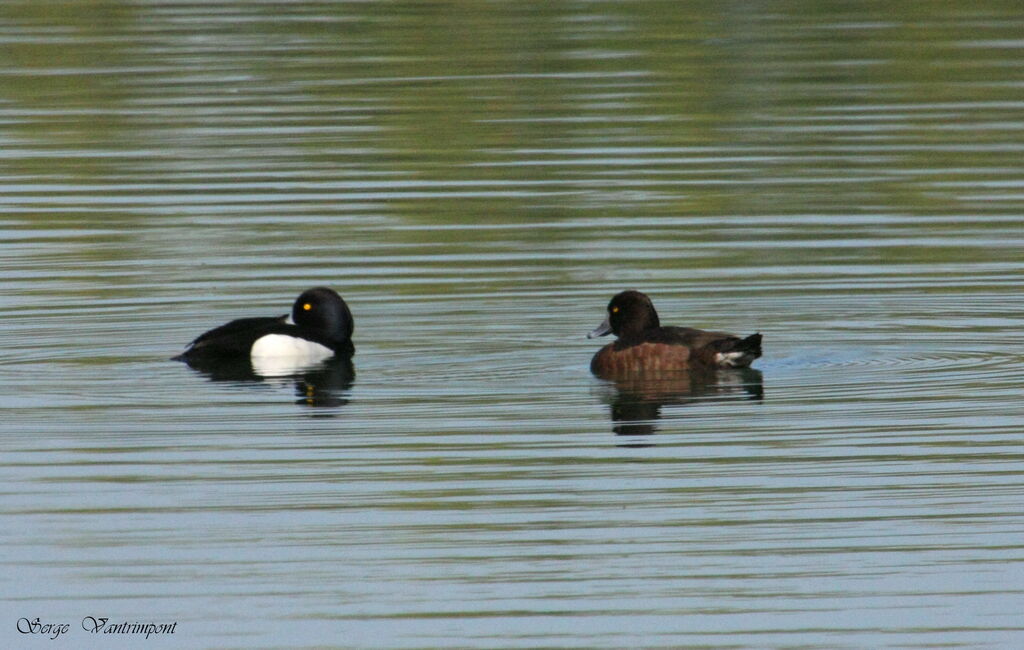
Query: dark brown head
x=630 y=313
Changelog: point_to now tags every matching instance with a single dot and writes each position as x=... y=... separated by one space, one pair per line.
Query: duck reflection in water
x=636 y=401
x=320 y=384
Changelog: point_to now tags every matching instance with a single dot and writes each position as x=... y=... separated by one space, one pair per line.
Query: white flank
x=280 y=345
x=276 y=355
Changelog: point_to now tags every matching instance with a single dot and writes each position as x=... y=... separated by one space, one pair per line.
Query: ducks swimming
x=644 y=345
x=319 y=327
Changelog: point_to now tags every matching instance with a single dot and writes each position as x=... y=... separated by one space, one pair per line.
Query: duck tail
x=739 y=353
x=751 y=344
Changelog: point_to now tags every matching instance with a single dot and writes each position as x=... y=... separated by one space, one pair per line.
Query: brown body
x=618 y=357
x=644 y=346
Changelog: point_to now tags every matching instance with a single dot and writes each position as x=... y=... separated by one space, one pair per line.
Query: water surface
x=478 y=179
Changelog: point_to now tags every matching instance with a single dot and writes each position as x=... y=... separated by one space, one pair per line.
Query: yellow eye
x=306 y=306
x=615 y=310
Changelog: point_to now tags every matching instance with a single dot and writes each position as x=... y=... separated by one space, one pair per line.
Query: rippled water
x=477 y=179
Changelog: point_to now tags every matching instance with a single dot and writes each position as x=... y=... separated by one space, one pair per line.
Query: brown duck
x=644 y=345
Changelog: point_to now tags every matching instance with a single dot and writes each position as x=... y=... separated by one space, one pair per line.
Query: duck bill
x=603 y=329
